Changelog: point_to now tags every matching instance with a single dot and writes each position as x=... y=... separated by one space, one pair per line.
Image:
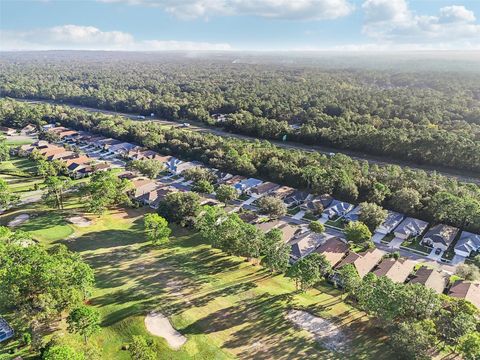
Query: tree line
x=425 y=117
x=431 y=197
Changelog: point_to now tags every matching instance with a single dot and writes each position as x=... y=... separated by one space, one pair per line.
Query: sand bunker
x=18 y=220
x=159 y=325
x=79 y=221
x=322 y=330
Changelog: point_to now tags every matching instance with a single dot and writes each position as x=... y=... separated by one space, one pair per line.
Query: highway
x=201 y=127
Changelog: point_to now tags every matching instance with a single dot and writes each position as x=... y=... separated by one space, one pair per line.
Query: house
x=354 y=214
x=128 y=175
x=182 y=166
x=57 y=129
x=466 y=290
x=288 y=231
x=430 y=278
x=247 y=184
x=59 y=155
x=49 y=150
x=440 y=236
x=66 y=134
x=467 y=244
x=6 y=332
x=222 y=177
x=172 y=164
x=234 y=180
x=334 y=250
x=101 y=167
x=363 y=262
x=297 y=198
x=142 y=187
x=106 y=143
x=8 y=131
x=305 y=245
x=72 y=163
x=391 y=222
x=337 y=209
x=410 y=227
x=395 y=270
x=317 y=204
x=283 y=192
x=266 y=226
x=248 y=216
x=122 y=148
x=157 y=195
x=264 y=188
x=28 y=130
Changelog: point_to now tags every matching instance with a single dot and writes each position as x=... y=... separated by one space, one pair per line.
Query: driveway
x=299 y=215
x=433 y=256
x=377 y=237
x=457 y=260
x=395 y=243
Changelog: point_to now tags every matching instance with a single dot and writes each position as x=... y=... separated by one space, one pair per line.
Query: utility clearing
x=324 y=331
x=159 y=325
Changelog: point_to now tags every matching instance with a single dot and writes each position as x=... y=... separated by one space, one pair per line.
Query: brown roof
x=466 y=290
x=334 y=250
x=67 y=133
x=265 y=188
x=288 y=231
x=50 y=149
x=234 y=180
x=143 y=186
x=395 y=270
x=283 y=191
x=430 y=278
x=57 y=129
x=267 y=225
x=363 y=262
x=82 y=159
x=61 y=155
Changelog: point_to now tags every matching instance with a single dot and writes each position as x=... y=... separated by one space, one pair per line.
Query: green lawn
x=19 y=173
x=414 y=243
x=225 y=306
x=337 y=223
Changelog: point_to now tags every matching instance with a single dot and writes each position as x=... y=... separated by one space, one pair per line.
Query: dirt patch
x=159 y=325
x=79 y=221
x=324 y=331
x=129 y=213
x=18 y=220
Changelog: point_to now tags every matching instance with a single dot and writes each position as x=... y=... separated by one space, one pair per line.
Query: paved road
x=201 y=127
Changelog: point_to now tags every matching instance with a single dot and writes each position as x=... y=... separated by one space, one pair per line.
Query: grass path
x=225 y=306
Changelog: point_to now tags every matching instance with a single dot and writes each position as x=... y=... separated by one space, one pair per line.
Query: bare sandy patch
x=18 y=220
x=79 y=221
x=159 y=325
x=324 y=331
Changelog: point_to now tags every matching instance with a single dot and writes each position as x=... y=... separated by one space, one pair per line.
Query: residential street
x=201 y=127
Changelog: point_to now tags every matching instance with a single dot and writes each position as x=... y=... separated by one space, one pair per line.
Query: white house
x=467 y=244
x=410 y=227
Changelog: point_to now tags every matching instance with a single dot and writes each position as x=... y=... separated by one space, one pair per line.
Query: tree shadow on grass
x=105 y=239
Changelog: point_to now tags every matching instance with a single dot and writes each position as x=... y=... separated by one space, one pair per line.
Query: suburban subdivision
x=239 y=179
x=113 y=245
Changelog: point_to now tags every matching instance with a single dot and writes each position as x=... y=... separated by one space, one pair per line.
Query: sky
x=259 y=25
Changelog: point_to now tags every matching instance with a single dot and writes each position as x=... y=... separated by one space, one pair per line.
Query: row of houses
x=439 y=236
x=402 y=270
x=337 y=252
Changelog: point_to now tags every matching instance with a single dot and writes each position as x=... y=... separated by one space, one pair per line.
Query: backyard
x=225 y=306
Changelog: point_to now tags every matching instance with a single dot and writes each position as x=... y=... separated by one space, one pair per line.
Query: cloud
x=276 y=9
x=393 y=21
x=75 y=37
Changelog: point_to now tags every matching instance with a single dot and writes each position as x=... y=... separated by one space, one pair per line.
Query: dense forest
x=427 y=117
x=428 y=196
